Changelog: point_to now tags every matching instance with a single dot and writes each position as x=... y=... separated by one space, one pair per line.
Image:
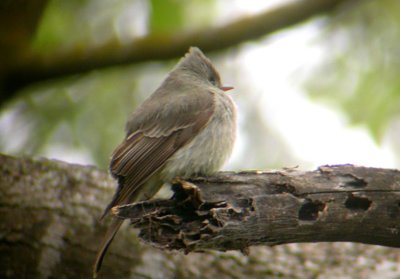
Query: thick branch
x=38 y=68
x=49 y=229
x=234 y=211
x=49 y=224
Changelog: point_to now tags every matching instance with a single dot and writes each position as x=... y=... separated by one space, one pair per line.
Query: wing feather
x=146 y=150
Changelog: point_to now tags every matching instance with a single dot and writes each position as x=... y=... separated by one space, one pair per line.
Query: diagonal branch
x=54 y=65
x=234 y=211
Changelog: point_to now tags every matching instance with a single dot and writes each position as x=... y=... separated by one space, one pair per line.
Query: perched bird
x=186 y=128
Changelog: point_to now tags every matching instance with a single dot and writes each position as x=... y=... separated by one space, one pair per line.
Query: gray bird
x=186 y=128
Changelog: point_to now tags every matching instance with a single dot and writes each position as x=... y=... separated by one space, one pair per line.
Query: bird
x=186 y=128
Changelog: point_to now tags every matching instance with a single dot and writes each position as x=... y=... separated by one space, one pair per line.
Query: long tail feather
x=108 y=238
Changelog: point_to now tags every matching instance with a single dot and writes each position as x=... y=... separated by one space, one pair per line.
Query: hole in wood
x=351 y=181
x=357 y=203
x=309 y=210
x=357 y=183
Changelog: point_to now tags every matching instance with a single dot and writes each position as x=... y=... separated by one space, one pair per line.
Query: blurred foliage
x=82 y=23
x=100 y=20
x=160 y=20
x=171 y=16
x=362 y=73
x=89 y=111
x=57 y=25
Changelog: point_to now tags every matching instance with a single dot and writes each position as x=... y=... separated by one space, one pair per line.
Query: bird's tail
x=108 y=238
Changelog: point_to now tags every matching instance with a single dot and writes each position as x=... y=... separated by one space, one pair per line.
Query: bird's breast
x=207 y=151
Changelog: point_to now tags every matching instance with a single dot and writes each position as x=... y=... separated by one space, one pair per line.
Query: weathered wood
x=49 y=228
x=49 y=221
x=236 y=210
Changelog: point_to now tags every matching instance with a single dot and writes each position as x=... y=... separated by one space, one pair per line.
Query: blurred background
x=322 y=88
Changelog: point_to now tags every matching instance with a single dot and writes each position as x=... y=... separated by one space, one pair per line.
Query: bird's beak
x=226 y=88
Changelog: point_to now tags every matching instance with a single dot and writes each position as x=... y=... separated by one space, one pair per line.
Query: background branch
x=34 y=68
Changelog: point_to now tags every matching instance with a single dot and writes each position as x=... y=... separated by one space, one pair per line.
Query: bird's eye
x=212 y=79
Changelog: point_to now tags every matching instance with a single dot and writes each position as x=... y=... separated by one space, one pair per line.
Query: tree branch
x=49 y=221
x=49 y=228
x=234 y=211
x=36 y=68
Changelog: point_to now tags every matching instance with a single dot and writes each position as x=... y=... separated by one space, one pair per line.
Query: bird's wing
x=163 y=132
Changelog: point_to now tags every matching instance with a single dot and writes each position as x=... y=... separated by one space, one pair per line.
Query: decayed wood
x=49 y=228
x=236 y=210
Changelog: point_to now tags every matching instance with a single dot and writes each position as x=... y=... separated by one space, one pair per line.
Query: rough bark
x=234 y=211
x=48 y=220
x=49 y=229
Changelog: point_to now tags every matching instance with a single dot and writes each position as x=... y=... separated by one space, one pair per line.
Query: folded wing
x=146 y=149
